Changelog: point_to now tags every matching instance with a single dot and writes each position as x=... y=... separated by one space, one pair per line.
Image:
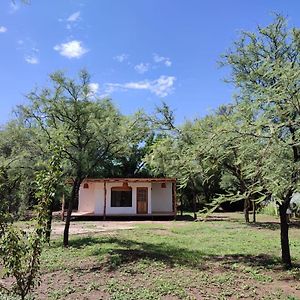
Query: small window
x=163 y=185
x=121 y=197
x=86 y=186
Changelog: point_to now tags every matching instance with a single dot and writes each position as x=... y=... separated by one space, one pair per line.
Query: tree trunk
x=194 y=199
x=181 y=205
x=74 y=195
x=63 y=208
x=194 y=207
x=246 y=210
x=49 y=222
x=284 y=236
x=254 y=211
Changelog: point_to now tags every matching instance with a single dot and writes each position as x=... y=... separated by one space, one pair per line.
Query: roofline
x=130 y=179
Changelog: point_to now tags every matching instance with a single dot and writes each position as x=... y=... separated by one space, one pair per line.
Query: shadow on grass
x=184 y=218
x=265 y=225
x=216 y=218
x=120 y=252
x=273 y=225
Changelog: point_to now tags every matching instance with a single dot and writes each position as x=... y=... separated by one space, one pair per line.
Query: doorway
x=142 y=200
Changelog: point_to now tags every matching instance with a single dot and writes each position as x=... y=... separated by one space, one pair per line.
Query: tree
x=232 y=153
x=139 y=138
x=20 y=250
x=178 y=153
x=265 y=68
x=91 y=131
x=20 y=156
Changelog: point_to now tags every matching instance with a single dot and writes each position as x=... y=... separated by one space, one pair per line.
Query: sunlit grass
x=223 y=258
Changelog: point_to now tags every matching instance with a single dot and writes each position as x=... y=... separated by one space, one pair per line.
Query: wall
x=126 y=210
x=99 y=198
x=162 y=197
x=92 y=199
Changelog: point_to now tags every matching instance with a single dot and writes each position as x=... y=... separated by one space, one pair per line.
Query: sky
x=138 y=52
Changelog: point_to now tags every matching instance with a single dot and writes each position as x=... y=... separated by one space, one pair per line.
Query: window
x=86 y=186
x=163 y=185
x=121 y=197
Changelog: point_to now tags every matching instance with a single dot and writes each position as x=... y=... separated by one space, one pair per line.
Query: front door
x=142 y=200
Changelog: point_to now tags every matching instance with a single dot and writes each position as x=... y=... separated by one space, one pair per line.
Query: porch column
x=104 y=206
x=174 y=199
x=150 y=198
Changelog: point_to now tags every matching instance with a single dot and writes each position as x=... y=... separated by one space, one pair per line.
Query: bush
x=269 y=209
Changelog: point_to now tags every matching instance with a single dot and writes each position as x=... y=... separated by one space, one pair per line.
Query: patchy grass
x=222 y=258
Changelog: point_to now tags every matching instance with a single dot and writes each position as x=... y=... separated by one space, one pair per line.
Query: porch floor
x=92 y=214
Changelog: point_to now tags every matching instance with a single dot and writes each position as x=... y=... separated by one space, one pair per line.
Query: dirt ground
x=133 y=260
x=88 y=227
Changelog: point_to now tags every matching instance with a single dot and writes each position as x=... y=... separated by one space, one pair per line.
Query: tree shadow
x=273 y=225
x=216 y=218
x=124 y=251
x=265 y=225
x=184 y=218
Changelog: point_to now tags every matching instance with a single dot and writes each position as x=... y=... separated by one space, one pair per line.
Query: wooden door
x=142 y=200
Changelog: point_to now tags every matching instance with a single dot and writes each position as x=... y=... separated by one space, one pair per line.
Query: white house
x=127 y=197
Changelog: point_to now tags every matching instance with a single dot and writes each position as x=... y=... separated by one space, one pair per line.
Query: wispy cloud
x=3 y=29
x=161 y=59
x=31 y=59
x=74 y=17
x=161 y=87
x=72 y=49
x=94 y=88
x=121 y=57
x=142 y=68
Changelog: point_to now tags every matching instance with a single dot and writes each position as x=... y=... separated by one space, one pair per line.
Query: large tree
x=90 y=131
x=266 y=68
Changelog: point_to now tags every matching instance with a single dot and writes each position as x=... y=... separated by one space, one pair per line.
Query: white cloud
x=31 y=59
x=93 y=87
x=74 y=17
x=161 y=87
x=72 y=49
x=3 y=29
x=161 y=59
x=168 y=63
x=121 y=57
x=142 y=68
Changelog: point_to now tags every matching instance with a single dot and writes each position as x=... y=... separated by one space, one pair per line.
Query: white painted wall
x=126 y=210
x=162 y=197
x=99 y=198
x=92 y=199
x=86 y=201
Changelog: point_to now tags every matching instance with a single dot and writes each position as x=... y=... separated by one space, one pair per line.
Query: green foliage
x=20 y=250
x=252 y=147
x=269 y=209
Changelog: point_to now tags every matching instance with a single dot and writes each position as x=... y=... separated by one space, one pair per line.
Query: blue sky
x=139 y=52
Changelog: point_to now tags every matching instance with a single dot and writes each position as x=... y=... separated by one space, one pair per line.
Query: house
x=127 y=197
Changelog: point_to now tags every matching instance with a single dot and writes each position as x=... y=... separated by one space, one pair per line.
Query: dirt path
x=85 y=227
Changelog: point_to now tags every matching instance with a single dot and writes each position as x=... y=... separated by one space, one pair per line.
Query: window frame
x=121 y=190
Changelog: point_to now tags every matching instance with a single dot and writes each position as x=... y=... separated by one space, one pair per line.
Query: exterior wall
x=91 y=200
x=86 y=199
x=162 y=198
x=126 y=210
x=99 y=198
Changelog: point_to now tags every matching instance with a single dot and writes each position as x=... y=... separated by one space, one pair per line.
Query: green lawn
x=221 y=259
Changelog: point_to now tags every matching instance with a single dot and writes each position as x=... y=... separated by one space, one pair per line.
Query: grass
x=219 y=259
